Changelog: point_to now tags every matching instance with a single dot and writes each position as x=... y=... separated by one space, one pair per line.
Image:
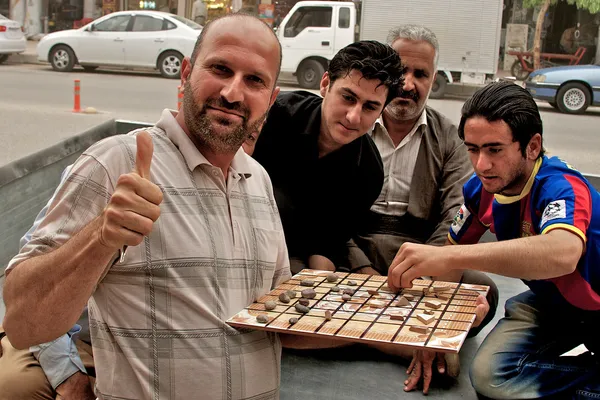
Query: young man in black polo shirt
x=326 y=172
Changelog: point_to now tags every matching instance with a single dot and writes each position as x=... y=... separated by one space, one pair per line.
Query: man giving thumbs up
x=165 y=234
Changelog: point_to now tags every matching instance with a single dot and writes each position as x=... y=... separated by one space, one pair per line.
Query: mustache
x=410 y=95
x=222 y=103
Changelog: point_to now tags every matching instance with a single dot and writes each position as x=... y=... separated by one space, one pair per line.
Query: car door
x=145 y=41
x=104 y=42
x=308 y=32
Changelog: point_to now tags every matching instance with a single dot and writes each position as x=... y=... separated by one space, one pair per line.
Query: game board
x=432 y=315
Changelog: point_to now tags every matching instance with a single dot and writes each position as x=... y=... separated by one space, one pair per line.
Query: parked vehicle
x=468 y=32
x=570 y=89
x=147 y=39
x=12 y=39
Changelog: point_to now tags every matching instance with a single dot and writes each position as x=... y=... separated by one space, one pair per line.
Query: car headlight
x=539 y=78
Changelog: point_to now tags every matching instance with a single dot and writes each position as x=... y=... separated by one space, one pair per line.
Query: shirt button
x=215 y=173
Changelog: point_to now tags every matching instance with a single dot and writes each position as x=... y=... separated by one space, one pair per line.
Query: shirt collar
x=380 y=127
x=513 y=199
x=192 y=156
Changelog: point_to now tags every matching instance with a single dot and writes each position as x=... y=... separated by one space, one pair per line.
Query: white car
x=12 y=39
x=147 y=39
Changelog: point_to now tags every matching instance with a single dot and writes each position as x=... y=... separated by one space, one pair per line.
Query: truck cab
x=311 y=34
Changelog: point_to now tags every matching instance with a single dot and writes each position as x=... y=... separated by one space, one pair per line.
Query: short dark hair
x=507 y=102
x=374 y=60
x=240 y=15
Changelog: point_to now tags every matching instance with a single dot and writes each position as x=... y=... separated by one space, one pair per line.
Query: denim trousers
x=521 y=357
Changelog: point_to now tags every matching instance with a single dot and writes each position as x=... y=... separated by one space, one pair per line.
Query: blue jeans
x=519 y=359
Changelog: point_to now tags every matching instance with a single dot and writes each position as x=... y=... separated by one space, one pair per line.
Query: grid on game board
x=372 y=313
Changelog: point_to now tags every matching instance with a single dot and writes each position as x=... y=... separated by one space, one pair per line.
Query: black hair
x=240 y=15
x=374 y=60
x=507 y=102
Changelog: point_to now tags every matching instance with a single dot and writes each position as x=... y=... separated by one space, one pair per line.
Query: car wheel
x=62 y=59
x=573 y=98
x=90 y=68
x=169 y=64
x=438 y=89
x=310 y=73
x=553 y=104
x=518 y=71
x=3 y=58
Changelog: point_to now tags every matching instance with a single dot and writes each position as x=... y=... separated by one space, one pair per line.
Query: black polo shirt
x=321 y=200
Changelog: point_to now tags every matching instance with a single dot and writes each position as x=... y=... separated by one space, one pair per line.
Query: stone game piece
x=428 y=312
x=262 y=318
x=442 y=296
x=291 y=294
x=373 y=292
x=335 y=289
x=301 y=309
x=307 y=282
x=349 y=292
x=304 y=302
x=377 y=303
x=346 y=297
x=284 y=298
x=397 y=317
x=413 y=291
x=351 y=283
x=418 y=329
x=409 y=297
x=332 y=278
x=293 y=320
x=433 y=304
x=426 y=319
x=328 y=315
x=308 y=293
x=270 y=305
x=402 y=302
x=439 y=289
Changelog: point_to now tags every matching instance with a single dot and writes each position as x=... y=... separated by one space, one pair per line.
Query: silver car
x=12 y=39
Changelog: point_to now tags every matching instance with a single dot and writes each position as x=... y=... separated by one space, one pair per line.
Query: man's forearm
x=44 y=295
x=538 y=257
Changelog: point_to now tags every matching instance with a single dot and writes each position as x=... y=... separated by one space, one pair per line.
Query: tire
x=438 y=89
x=3 y=57
x=573 y=98
x=90 y=68
x=169 y=64
x=518 y=71
x=310 y=73
x=62 y=59
x=553 y=104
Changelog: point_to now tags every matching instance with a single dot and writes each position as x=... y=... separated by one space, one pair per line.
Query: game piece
x=284 y=298
x=402 y=302
x=349 y=292
x=308 y=293
x=418 y=329
x=415 y=291
x=262 y=318
x=332 y=278
x=372 y=292
x=433 y=304
x=351 y=283
x=335 y=289
x=304 y=302
x=408 y=297
x=293 y=320
x=438 y=289
x=428 y=312
x=346 y=297
x=397 y=317
x=291 y=294
x=328 y=315
x=426 y=319
x=301 y=309
x=377 y=303
x=270 y=305
x=307 y=282
x=442 y=296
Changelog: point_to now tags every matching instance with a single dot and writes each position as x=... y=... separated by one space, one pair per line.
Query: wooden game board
x=370 y=317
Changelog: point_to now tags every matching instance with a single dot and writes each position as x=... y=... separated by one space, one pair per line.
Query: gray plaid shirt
x=157 y=318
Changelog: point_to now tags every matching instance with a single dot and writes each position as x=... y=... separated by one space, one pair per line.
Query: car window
x=170 y=25
x=2 y=17
x=146 y=23
x=305 y=17
x=344 y=20
x=117 y=23
x=187 y=22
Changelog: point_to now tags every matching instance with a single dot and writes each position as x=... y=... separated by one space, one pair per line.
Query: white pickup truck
x=468 y=32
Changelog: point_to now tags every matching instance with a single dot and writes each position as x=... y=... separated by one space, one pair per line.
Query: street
x=36 y=104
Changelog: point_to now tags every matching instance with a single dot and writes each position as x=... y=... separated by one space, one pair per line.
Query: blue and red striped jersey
x=556 y=196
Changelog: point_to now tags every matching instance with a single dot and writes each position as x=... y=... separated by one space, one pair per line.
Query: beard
x=406 y=111
x=201 y=127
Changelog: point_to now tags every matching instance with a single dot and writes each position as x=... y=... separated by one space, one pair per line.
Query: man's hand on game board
x=416 y=260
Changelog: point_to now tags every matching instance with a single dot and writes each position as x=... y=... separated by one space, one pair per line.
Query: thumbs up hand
x=134 y=206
